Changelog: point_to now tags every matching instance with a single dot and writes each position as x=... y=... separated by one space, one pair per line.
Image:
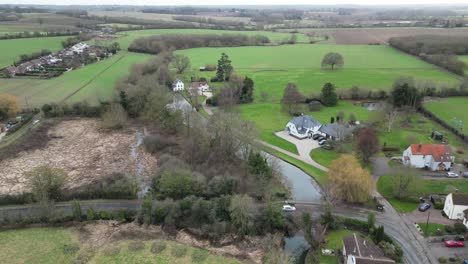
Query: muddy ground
x=82 y=149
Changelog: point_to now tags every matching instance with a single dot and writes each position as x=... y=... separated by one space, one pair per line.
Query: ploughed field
x=271 y=68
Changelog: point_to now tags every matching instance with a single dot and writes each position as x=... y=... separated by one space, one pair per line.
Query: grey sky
x=234 y=2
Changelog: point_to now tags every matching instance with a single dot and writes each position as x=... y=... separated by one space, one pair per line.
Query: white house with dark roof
x=178 y=85
x=436 y=157
x=303 y=126
x=455 y=205
x=357 y=250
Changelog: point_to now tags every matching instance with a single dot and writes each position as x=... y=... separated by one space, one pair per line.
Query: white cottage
x=436 y=157
x=178 y=86
x=455 y=205
x=303 y=126
x=199 y=87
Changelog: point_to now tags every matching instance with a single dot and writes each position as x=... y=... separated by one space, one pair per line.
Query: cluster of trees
x=209 y=20
x=435 y=49
x=73 y=13
x=158 y=44
x=293 y=99
x=32 y=56
x=76 y=39
x=10 y=17
x=9 y=106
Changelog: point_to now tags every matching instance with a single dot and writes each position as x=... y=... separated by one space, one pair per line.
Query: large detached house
x=455 y=205
x=357 y=250
x=436 y=157
x=178 y=86
x=336 y=131
x=303 y=126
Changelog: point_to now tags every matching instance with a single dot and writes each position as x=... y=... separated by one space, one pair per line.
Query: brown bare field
x=380 y=35
x=85 y=152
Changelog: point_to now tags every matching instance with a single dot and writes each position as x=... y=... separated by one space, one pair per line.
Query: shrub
x=179 y=251
x=199 y=255
x=111 y=251
x=91 y=215
x=136 y=246
x=158 y=246
x=442 y=260
x=459 y=228
x=449 y=229
x=84 y=257
x=155 y=143
x=70 y=248
x=104 y=215
x=114 y=118
x=210 y=67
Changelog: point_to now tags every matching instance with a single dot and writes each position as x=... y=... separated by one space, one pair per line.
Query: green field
x=46 y=245
x=385 y=187
x=465 y=60
x=13 y=48
x=95 y=82
x=449 y=108
x=370 y=67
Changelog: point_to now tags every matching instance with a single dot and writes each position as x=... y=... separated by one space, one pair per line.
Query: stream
x=143 y=182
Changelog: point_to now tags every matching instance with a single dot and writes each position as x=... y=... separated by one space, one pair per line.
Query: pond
x=372 y=106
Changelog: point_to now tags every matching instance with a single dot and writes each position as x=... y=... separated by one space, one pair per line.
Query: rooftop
x=438 y=151
x=304 y=122
x=460 y=198
x=364 y=251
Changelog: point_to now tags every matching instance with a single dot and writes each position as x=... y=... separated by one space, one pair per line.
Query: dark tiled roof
x=364 y=251
x=304 y=122
x=336 y=129
x=460 y=198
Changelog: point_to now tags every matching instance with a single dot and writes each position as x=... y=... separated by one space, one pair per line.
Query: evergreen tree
x=328 y=95
x=225 y=68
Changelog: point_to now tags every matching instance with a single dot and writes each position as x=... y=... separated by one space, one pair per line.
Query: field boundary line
x=92 y=79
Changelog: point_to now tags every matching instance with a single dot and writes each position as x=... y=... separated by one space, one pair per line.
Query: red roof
x=440 y=152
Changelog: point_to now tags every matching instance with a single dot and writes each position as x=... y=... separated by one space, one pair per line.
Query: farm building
x=199 y=87
x=303 y=126
x=357 y=250
x=455 y=205
x=436 y=157
x=336 y=131
x=178 y=86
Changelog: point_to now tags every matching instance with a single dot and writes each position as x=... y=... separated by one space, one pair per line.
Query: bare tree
x=391 y=114
x=291 y=98
x=181 y=62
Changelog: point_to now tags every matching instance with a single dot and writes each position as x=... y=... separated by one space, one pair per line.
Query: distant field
x=96 y=82
x=13 y=48
x=450 y=108
x=370 y=67
x=49 y=245
x=465 y=60
x=380 y=35
x=41 y=22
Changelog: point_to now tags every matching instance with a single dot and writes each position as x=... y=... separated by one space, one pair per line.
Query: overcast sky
x=234 y=2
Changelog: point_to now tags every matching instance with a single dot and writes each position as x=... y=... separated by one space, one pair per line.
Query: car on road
x=454 y=243
x=424 y=207
x=451 y=175
x=465 y=174
x=288 y=208
x=323 y=141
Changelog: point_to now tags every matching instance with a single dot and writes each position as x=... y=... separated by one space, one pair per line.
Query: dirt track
x=82 y=150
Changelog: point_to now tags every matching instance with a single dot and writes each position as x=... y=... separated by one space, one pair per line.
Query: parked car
x=465 y=174
x=424 y=207
x=451 y=175
x=316 y=136
x=323 y=141
x=327 y=146
x=288 y=208
x=453 y=243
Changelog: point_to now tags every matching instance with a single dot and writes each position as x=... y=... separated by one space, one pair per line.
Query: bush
x=104 y=215
x=91 y=215
x=114 y=118
x=155 y=143
x=136 y=246
x=111 y=251
x=459 y=228
x=449 y=229
x=199 y=255
x=442 y=260
x=210 y=67
x=158 y=246
x=179 y=251
x=70 y=248
x=84 y=257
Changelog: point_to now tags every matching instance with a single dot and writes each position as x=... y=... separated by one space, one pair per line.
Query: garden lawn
x=449 y=109
x=323 y=156
x=334 y=241
x=271 y=68
x=92 y=83
x=13 y=48
x=46 y=245
x=431 y=229
x=270 y=118
x=385 y=188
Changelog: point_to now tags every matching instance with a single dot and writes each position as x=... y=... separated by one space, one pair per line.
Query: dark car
x=465 y=174
x=424 y=207
x=315 y=136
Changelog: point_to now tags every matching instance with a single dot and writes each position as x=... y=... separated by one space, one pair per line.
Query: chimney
x=419 y=147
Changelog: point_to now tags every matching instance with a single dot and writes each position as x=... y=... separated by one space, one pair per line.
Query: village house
x=178 y=86
x=357 y=250
x=436 y=157
x=303 y=126
x=199 y=87
x=336 y=131
x=455 y=205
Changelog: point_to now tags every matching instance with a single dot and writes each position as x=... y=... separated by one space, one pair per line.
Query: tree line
x=158 y=44
x=209 y=20
x=36 y=34
x=438 y=50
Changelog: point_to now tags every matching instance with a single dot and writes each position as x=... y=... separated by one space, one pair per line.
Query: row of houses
x=305 y=126
x=67 y=59
x=195 y=87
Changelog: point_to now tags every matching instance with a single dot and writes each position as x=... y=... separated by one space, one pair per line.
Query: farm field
x=63 y=245
x=450 y=108
x=49 y=22
x=465 y=60
x=378 y=35
x=13 y=48
x=95 y=82
x=271 y=68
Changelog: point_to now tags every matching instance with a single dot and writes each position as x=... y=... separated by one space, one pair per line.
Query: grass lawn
x=384 y=186
x=450 y=108
x=431 y=228
x=96 y=82
x=46 y=245
x=271 y=68
x=334 y=241
x=13 y=48
x=270 y=118
x=323 y=156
